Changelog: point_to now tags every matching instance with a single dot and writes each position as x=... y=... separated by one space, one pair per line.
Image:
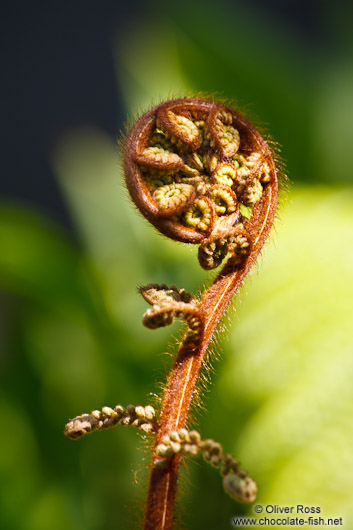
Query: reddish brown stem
x=186 y=369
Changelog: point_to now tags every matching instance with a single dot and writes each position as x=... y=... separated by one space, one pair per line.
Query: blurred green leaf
x=38 y=261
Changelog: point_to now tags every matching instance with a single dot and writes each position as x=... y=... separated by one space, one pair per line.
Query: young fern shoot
x=194 y=168
x=201 y=174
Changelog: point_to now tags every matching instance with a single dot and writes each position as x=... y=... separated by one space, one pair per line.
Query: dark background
x=58 y=72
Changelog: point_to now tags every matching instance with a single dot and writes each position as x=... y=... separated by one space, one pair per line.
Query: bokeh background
x=73 y=249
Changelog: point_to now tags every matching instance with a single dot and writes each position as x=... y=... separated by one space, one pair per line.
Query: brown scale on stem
x=191 y=165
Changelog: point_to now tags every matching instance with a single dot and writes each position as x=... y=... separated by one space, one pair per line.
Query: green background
x=281 y=398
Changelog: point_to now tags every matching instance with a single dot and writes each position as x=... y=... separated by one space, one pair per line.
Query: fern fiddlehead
x=201 y=174
x=209 y=179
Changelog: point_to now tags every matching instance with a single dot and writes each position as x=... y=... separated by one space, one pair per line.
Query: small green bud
x=239 y=488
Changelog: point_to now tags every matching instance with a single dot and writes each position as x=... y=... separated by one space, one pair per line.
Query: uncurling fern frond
x=202 y=174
